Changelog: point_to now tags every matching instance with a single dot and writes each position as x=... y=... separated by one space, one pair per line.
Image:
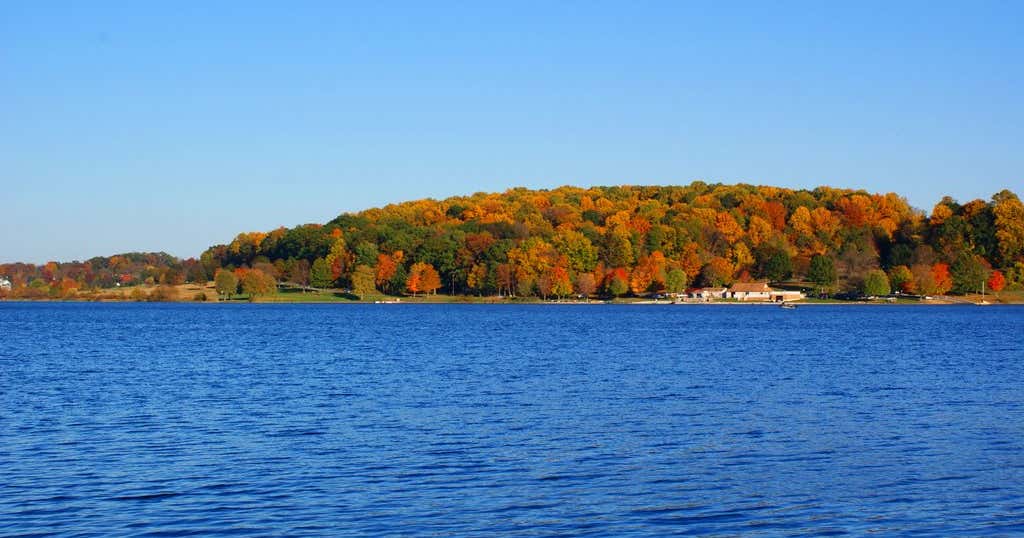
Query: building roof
x=706 y=290
x=750 y=287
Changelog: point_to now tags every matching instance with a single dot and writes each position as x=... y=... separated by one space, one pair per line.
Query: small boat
x=788 y=306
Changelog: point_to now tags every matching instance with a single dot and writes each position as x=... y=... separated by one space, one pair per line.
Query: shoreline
x=195 y=294
x=523 y=303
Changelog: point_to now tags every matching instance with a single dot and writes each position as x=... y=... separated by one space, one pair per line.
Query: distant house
x=760 y=291
x=750 y=291
x=707 y=294
x=5 y=284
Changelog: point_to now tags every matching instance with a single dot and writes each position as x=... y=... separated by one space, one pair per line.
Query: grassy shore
x=289 y=296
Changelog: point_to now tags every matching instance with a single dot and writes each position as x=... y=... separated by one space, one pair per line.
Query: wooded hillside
x=611 y=241
x=619 y=240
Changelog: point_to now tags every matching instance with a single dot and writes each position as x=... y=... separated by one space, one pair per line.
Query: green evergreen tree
x=778 y=266
x=823 y=273
x=320 y=274
x=399 y=279
x=968 y=272
x=675 y=281
x=876 y=283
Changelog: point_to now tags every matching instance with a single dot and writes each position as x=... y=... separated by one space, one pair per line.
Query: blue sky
x=174 y=126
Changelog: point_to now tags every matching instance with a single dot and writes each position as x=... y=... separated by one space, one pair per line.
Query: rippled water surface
x=138 y=419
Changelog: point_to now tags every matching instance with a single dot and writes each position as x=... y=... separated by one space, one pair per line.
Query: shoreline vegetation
x=706 y=243
x=288 y=294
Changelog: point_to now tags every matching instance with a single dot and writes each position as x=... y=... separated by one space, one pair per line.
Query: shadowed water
x=142 y=419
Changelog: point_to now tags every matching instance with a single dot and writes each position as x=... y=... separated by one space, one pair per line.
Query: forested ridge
x=608 y=241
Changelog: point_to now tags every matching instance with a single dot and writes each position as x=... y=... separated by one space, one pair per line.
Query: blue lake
x=178 y=419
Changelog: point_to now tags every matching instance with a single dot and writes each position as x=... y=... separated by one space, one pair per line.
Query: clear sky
x=175 y=125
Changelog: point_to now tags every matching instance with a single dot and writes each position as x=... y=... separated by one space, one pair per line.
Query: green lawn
x=294 y=295
x=289 y=295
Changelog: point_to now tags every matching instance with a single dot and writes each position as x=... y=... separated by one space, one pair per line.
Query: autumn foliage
x=599 y=241
x=423 y=278
x=996 y=281
x=943 y=281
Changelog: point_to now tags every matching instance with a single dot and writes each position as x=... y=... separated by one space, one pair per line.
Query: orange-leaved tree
x=423 y=278
x=996 y=281
x=385 y=271
x=943 y=281
x=413 y=283
x=561 y=284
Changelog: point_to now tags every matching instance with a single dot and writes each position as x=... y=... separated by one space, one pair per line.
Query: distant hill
x=611 y=241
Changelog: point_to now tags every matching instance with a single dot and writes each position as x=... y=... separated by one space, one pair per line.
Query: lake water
x=177 y=419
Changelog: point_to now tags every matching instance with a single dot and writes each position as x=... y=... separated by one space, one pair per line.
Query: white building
x=707 y=294
x=710 y=293
x=759 y=291
x=5 y=284
x=750 y=291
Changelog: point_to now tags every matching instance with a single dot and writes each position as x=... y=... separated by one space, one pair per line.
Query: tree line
x=612 y=241
x=633 y=240
x=58 y=280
